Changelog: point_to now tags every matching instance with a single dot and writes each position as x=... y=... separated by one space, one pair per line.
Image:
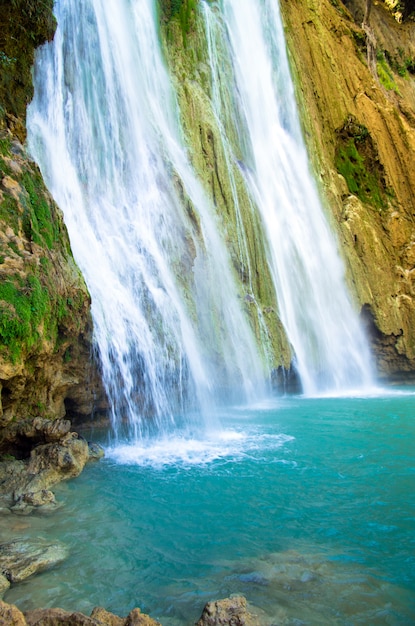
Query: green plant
x=26 y=308
x=9 y=212
x=360 y=180
x=180 y=10
x=38 y=222
x=385 y=74
x=357 y=161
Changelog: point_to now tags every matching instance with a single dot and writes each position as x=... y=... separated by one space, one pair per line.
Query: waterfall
x=104 y=128
x=331 y=353
x=170 y=328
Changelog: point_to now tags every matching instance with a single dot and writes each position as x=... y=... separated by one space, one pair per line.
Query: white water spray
x=330 y=348
x=104 y=128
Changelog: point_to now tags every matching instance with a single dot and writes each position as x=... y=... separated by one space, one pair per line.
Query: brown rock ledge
x=11 y=616
x=229 y=611
x=54 y=454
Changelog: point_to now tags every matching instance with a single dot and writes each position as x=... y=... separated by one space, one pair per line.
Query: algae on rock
x=222 y=178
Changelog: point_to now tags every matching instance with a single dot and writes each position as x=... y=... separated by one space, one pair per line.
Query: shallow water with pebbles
x=305 y=506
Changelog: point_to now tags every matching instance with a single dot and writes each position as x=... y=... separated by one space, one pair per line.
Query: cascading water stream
x=104 y=128
x=330 y=349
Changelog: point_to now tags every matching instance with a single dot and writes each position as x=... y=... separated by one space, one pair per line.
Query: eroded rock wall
x=45 y=325
x=360 y=129
x=355 y=88
x=186 y=51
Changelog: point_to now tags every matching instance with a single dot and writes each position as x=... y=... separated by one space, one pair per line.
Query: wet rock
x=99 y=617
x=104 y=617
x=10 y=615
x=11 y=473
x=24 y=484
x=59 y=617
x=136 y=618
x=230 y=611
x=54 y=462
x=20 y=558
x=96 y=452
x=39 y=498
x=4 y=585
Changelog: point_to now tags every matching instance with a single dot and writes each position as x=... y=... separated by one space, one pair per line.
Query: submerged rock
x=21 y=558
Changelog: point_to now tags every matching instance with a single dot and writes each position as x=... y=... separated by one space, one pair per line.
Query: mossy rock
x=25 y=24
x=357 y=160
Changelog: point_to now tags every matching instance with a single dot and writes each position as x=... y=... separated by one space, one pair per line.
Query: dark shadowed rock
x=23 y=436
x=58 y=617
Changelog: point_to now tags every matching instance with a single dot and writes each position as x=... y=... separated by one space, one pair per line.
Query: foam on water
x=226 y=445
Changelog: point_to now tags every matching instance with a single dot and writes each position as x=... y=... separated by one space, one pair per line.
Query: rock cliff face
x=186 y=49
x=45 y=325
x=355 y=88
x=356 y=91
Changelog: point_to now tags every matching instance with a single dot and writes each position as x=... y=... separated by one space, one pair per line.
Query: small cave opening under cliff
x=392 y=367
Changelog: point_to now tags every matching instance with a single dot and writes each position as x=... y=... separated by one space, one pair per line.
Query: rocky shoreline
x=51 y=452
x=232 y=611
x=55 y=453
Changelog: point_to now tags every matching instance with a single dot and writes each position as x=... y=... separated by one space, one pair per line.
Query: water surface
x=305 y=506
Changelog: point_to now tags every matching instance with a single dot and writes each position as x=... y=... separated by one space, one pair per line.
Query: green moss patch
x=385 y=73
x=357 y=160
x=24 y=305
x=181 y=10
x=39 y=224
x=32 y=311
x=25 y=24
x=36 y=305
